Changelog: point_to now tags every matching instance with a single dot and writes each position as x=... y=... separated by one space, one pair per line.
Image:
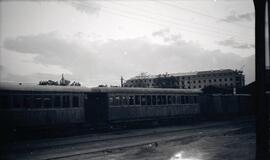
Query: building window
x=199 y=81
x=194 y=81
x=225 y=79
x=220 y=80
x=210 y=81
x=215 y=80
x=231 y=79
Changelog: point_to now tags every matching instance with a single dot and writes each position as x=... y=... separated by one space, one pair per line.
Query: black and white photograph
x=134 y=79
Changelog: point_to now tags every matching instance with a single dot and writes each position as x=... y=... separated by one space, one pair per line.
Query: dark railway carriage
x=123 y=105
x=221 y=106
x=29 y=106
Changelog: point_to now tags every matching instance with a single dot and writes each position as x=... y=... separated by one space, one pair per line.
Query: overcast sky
x=97 y=42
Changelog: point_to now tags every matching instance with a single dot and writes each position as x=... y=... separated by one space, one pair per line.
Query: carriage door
x=96 y=109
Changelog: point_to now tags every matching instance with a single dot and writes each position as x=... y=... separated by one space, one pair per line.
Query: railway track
x=82 y=146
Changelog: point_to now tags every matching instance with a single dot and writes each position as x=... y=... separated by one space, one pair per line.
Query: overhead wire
x=173 y=19
x=149 y=19
x=203 y=14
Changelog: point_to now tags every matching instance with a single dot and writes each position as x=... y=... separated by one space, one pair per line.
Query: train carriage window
x=169 y=99
x=187 y=99
x=75 y=101
x=159 y=100
x=110 y=100
x=143 y=100
x=154 y=100
x=195 y=99
x=4 y=101
x=178 y=100
x=120 y=100
x=17 y=101
x=182 y=99
x=47 y=101
x=27 y=101
x=137 y=100
x=124 y=100
x=131 y=100
x=66 y=103
x=173 y=100
x=116 y=100
x=57 y=101
x=148 y=100
x=38 y=101
x=164 y=99
x=190 y=98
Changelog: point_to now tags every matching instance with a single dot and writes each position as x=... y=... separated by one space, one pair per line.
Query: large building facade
x=194 y=80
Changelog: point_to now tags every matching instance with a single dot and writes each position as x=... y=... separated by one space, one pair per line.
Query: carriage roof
x=41 y=88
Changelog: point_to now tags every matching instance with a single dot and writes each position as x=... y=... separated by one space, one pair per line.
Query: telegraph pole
x=262 y=128
x=122 y=81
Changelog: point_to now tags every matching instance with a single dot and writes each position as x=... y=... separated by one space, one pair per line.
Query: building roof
x=47 y=88
x=144 y=90
x=186 y=74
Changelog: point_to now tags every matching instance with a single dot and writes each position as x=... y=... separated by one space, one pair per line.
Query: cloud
x=234 y=44
x=104 y=62
x=89 y=7
x=239 y=17
x=167 y=36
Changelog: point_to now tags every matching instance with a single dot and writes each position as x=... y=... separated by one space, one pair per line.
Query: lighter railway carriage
x=142 y=104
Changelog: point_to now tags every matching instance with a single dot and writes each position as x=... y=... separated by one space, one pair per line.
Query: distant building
x=194 y=80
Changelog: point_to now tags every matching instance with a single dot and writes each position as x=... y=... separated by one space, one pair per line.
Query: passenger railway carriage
x=142 y=104
x=29 y=106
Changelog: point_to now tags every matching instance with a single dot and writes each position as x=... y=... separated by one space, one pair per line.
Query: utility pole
x=122 y=81
x=262 y=127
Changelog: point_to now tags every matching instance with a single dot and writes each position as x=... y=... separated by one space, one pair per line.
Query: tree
x=166 y=81
x=62 y=82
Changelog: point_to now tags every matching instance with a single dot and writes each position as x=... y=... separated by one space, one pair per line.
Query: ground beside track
x=212 y=140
